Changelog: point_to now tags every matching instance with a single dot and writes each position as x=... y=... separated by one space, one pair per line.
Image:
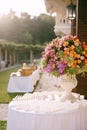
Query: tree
x=26 y=31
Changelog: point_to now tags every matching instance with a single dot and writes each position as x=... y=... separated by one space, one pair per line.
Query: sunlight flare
x=34 y=7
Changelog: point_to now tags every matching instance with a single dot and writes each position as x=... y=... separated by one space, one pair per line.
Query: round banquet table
x=68 y=116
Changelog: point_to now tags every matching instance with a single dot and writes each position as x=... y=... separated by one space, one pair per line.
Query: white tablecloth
x=23 y=83
x=69 y=116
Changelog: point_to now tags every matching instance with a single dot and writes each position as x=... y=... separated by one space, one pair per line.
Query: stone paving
x=3 y=111
x=46 y=83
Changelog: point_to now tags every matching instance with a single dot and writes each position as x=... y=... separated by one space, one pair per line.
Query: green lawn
x=5 y=97
x=3 y=125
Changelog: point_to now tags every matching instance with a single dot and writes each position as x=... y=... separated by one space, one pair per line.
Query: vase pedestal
x=68 y=97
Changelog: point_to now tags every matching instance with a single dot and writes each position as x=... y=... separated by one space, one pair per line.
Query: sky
x=33 y=7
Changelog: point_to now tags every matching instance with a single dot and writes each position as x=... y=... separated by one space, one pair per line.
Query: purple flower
x=61 y=67
x=48 y=69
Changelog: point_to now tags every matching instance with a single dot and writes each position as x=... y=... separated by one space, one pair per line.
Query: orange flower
x=75 y=62
x=83 y=52
x=66 y=52
x=72 y=47
x=73 y=65
x=85 y=48
x=75 y=38
x=65 y=44
x=86 y=55
x=79 y=61
x=76 y=42
x=84 y=44
x=76 y=55
x=85 y=61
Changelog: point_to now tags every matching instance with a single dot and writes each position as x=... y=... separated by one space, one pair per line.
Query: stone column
x=31 y=56
x=6 y=56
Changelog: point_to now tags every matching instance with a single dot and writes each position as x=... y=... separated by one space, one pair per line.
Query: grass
x=3 y=125
x=6 y=97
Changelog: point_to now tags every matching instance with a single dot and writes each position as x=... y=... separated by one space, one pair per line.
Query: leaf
x=69 y=58
x=72 y=70
x=55 y=73
x=60 y=53
x=54 y=47
x=78 y=49
x=71 y=42
x=43 y=62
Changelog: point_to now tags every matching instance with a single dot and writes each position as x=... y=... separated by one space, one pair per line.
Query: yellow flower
x=72 y=47
x=65 y=44
x=83 y=52
x=76 y=42
x=79 y=61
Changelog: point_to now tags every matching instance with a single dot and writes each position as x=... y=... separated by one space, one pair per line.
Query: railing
x=62 y=27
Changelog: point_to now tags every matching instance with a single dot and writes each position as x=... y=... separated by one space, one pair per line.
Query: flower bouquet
x=65 y=57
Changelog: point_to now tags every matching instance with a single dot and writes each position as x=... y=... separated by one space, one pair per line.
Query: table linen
x=46 y=112
x=23 y=83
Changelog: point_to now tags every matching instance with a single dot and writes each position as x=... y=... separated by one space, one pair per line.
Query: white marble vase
x=68 y=82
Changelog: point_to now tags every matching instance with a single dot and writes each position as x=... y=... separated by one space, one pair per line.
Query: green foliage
x=27 y=30
x=24 y=33
x=78 y=49
x=55 y=73
x=60 y=53
x=69 y=59
x=43 y=62
x=55 y=48
x=71 y=42
x=72 y=70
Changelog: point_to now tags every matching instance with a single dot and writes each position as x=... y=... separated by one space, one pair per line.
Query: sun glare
x=33 y=7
